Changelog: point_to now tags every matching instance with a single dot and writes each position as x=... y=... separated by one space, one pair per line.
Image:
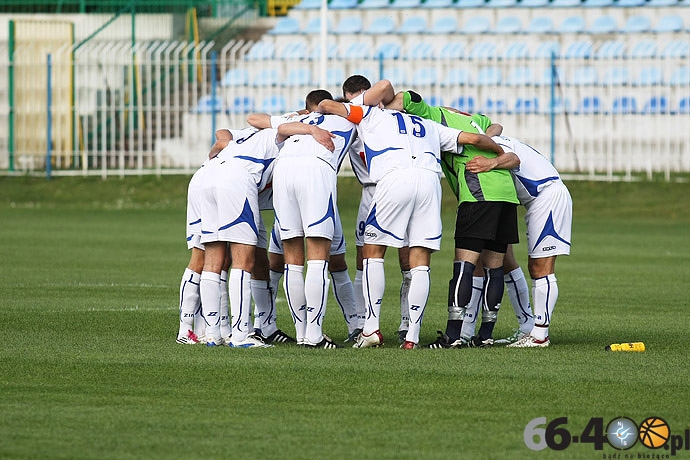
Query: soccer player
x=305 y=201
x=486 y=223
x=549 y=222
x=229 y=199
x=402 y=154
x=353 y=89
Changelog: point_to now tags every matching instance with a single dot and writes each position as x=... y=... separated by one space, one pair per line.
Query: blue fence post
x=554 y=77
x=49 y=118
x=381 y=66
x=213 y=97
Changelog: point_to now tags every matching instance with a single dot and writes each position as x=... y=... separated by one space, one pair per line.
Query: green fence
x=204 y=8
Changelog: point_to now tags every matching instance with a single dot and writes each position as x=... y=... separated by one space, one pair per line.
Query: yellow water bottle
x=630 y=346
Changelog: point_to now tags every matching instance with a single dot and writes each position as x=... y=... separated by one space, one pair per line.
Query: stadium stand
x=540 y=25
x=624 y=105
x=590 y=105
x=656 y=105
x=669 y=23
x=464 y=103
x=636 y=24
x=242 y=105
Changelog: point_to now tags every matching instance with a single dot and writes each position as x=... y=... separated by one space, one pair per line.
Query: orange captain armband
x=356 y=113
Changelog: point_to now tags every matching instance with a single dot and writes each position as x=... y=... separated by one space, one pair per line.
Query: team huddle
x=398 y=147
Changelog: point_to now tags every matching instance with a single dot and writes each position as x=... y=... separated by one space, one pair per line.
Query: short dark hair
x=355 y=84
x=316 y=96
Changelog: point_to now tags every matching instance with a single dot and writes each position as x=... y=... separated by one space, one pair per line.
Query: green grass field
x=89 y=367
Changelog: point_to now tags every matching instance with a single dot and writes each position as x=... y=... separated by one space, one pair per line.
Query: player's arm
x=481 y=141
x=381 y=93
x=494 y=129
x=398 y=102
x=223 y=138
x=321 y=136
x=481 y=164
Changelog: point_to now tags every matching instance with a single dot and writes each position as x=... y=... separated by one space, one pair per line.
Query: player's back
x=254 y=150
x=306 y=145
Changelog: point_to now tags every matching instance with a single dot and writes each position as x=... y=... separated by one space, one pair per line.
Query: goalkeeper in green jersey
x=486 y=222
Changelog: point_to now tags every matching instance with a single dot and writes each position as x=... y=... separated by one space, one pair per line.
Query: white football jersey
x=357 y=158
x=254 y=150
x=306 y=145
x=534 y=172
x=395 y=140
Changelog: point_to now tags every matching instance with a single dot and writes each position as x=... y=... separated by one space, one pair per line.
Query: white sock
x=293 y=284
x=469 y=321
x=344 y=293
x=518 y=293
x=240 y=303
x=544 y=296
x=273 y=285
x=373 y=287
x=316 y=284
x=210 y=303
x=224 y=314
x=189 y=301
x=264 y=308
x=418 y=295
x=404 y=300
x=359 y=299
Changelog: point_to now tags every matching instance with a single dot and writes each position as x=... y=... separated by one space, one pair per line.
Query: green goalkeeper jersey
x=495 y=185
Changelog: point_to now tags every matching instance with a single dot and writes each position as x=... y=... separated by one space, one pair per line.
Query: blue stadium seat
x=603 y=25
x=649 y=76
x=444 y=25
x=520 y=76
x=420 y=51
x=381 y=25
x=235 y=77
x=274 y=104
x=559 y=106
x=572 y=25
x=452 y=50
x=663 y=3
x=388 y=50
x=636 y=24
x=335 y=76
x=585 y=76
x=349 y=25
x=534 y=3
x=357 y=51
x=342 y=4
x=540 y=25
x=457 y=76
x=508 y=25
x=546 y=49
x=656 y=105
x=676 y=49
x=579 y=50
x=396 y=75
x=424 y=76
x=285 y=26
x=526 y=105
x=207 y=104
x=630 y=3
x=294 y=50
x=501 y=3
x=489 y=76
x=260 y=51
x=438 y=4
x=405 y=4
x=669 y=23
x=624 y=105
x=483 y=50
x=616 y=76
x=313 y=27
x=434 y=101
x=566 y=3
x=492 y=106
x=242 y=105
x=412 y=25
x=308 y=5
x=331 y=51
x=476 y=25
x=463 y=103
x=598 y=3
x=547 y=75
x=684 y=105
x=299 y=76
x=680 y=76
x=589 y=105
x=373 y=4
x=469 y=3
x=611 y=49
x=266 y=77
x=516 y=50
x=643 y=49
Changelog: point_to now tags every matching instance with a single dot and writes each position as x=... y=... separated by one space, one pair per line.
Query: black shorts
x=494 y=222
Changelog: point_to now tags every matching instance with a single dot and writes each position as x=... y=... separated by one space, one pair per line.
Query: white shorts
x=406 y=202
x=229 y=205
x=193 y=232
x=549 y=221
x=363 y=212
x=338 y=246
x=304 y=197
